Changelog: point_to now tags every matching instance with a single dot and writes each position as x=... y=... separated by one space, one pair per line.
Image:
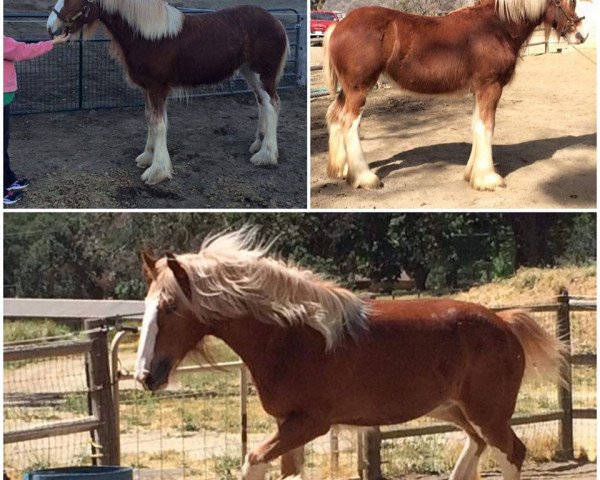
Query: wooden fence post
x=373 y=454
x=565 y=392
x=100 y=393
x=334 y=451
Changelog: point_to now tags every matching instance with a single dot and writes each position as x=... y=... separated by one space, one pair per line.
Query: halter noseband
x=84 y=12
x=571 y=21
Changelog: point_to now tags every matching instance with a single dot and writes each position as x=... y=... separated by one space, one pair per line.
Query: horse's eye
x=170 y=308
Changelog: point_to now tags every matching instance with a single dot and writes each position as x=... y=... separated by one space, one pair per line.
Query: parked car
x=320 y=21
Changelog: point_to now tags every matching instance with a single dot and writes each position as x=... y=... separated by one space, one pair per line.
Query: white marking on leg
x=509 y=470
x=254 y=472
x=338 y=162
x=260 y=130
x=54 y=23
x=145 y=159
x=466 y=466
x=359 y=174
x=481 y=165
x=161 y=168
x=253 y=81
x=148 y=335
x=267 y=155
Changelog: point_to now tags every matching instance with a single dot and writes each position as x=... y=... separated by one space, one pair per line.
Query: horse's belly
x=430 y=77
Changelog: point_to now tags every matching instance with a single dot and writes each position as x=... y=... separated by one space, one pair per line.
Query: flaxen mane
x=520 y=10
x=152 y=19
x=231 y=276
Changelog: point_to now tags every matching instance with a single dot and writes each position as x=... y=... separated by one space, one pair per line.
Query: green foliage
x=427 y=454
x=75 y=403
x=580 y=246
x=20 y=330
x=227 y=467
x=71 y=255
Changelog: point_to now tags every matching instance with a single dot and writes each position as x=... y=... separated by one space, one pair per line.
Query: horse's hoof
x=489 y=181
x=367 y=180
x=255 y=147
x=263 y=158
x=152 y=176
x=144 y=160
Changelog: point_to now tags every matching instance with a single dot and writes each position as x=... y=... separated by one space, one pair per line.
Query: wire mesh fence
x=39 y=393
x=83 y=75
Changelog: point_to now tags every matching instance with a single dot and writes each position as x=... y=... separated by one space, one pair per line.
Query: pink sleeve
x=15 y=51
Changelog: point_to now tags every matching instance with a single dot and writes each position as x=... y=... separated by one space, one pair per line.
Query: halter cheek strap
x=85 y=11
x=570 y=20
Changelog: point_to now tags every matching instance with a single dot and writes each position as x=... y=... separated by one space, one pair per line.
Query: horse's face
x=169 y=328
x=69 y=16
x=562 y=17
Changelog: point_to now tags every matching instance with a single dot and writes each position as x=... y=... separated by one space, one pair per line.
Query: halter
x=571 y=21
x=85 y=11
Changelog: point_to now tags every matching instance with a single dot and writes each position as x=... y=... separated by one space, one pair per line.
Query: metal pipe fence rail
x=205 y=425
x=82 y=76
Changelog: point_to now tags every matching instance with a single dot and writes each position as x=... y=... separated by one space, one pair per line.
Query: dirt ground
x=544 y=145
x=569 y=471
x=87 y=159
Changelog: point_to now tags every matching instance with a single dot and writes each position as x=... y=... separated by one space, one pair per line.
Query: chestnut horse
x=162 y=49
x=471 y=50
x=320 y=356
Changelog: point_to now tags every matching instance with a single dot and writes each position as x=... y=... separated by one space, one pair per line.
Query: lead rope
x=583 y=54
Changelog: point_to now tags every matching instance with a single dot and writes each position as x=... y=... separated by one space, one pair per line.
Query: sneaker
x=12 y=197
x=20 y=184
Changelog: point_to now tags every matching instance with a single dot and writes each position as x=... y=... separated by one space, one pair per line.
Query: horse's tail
x=330 y=76
x=283 y=60
x=545 y=355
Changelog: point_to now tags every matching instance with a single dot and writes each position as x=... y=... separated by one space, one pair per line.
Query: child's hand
x=61 y=39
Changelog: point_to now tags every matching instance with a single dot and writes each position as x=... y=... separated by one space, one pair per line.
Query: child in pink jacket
x=14 y=52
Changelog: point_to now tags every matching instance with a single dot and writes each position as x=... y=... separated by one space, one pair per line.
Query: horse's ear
x=180 y=274
x=149 y=266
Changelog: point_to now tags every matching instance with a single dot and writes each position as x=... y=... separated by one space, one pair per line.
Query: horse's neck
x=119 y=29
x=521 y=32
x=267 y=349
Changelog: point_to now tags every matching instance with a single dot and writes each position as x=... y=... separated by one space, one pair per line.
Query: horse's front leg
x=480 y=170
x=144 y=160
x=161 y=168
x=293 y=432
x=359 y=175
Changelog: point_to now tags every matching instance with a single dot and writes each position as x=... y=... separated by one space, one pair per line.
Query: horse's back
x=220 y=42
x=421 y=54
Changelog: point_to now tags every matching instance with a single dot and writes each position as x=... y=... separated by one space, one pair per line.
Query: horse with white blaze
x=161 y=49
x=320 y=356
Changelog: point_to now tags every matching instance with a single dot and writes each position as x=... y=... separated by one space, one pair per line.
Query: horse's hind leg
x=359 y=174
x=466 y=467
x=144 y=160
x=337 y=165
x=161 y=168
x=264 y=88
x=480 y=170
x=254 y=83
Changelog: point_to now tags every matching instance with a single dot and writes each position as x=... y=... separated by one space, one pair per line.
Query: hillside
x=534 y=285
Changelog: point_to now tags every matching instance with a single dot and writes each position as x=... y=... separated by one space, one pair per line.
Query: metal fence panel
x=83 y=75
